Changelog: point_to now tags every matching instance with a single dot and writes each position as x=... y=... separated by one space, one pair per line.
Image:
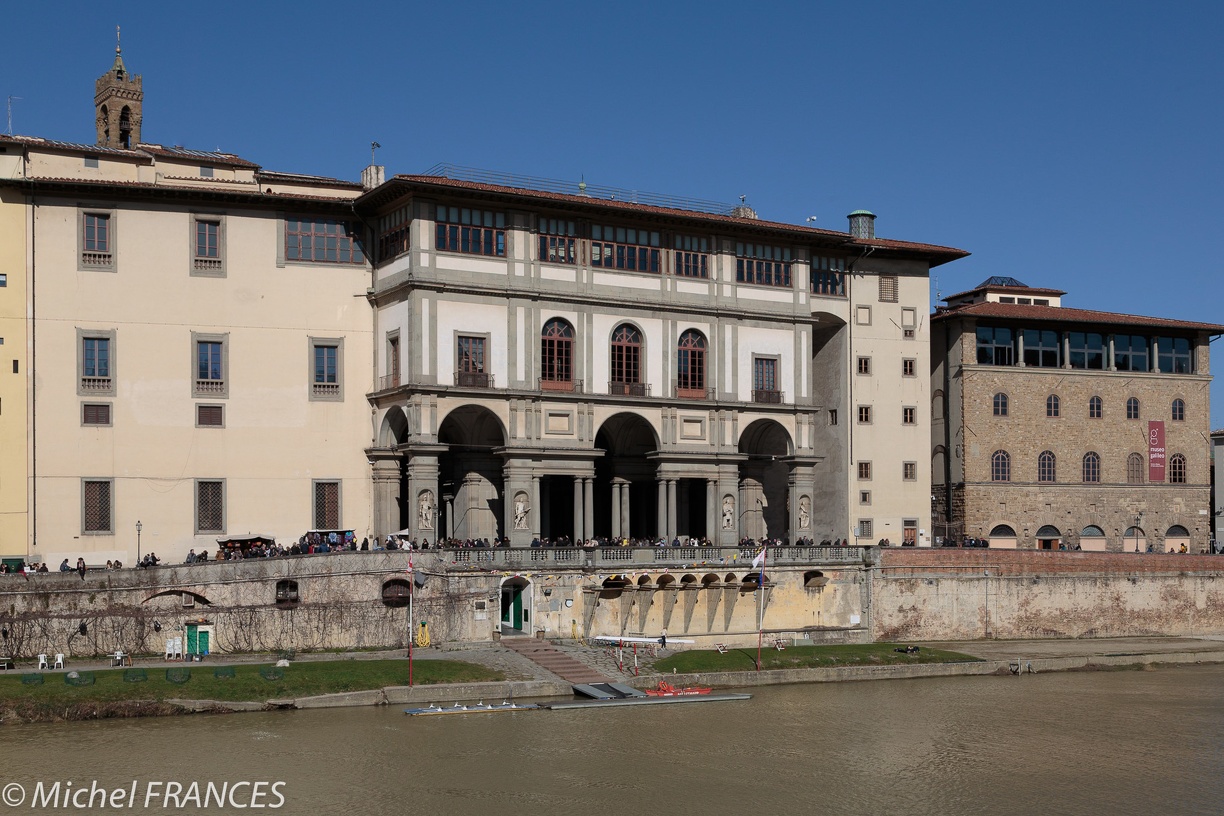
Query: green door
x=193 y=638
x=512 y=606
x=203 y=641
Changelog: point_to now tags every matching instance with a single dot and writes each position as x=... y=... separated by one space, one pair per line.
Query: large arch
x=468 y=497
x=625 y=495
x=394 y=428
x=764 y=477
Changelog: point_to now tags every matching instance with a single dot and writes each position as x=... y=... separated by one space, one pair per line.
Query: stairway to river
x=554 y=660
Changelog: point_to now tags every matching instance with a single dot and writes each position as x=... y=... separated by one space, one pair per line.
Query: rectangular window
x=832 y=416
x=909 y=415
x=208 y=251
x=210 y=506
x=393 y=362
x=1174 y=355
x=97 y=241
x=864 y=414
x=995 y=346
x=326 y=505
x=96 y=413
x=909 y=367
x=471 y=362
x=210 y=416
x=889 y=288
x=828 y=276
x=909 y=471
x=210 y=362
x=1011 y=300
x=692 y=256
x=322 y=240
x=862 y=315
x=91 y=162
x=206 y=172
x=1131 y=353
x=558 y=241
x=3 y=279
x=96 y=365
x=762 y=264
x=475 y=232
x=1087 y=350
x=865 y=528
x=634 y=250
x=394 y=230
x=864 y=471
x=96 y=506
x=765 y=380
x=864 y=497
x=1042 y=348
x=326 y=368
x=864 y=365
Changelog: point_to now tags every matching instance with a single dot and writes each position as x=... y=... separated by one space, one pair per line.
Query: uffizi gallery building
x=196 y=347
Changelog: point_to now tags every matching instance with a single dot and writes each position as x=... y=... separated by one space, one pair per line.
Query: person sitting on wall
x=80 y=568
x=191 y=556
x=65 y=566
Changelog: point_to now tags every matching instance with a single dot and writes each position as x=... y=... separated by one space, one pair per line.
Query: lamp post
x=1138 y=519
x=139 y=527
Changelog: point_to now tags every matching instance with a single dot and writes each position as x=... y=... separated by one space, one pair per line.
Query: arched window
x=1096 y=408
x=1092 y=467
x=1177 y=531
x=1132 y=408
x=1045 y=466
x=1179 y=410
x=557 y=354
x=691 y=365
x=1134 y=469
x=1177 y=469
x=1092 y=531
x=1002 y=531
x=1000 y=405
x=1000 y=467
x=626 y=360
x=1053 y=406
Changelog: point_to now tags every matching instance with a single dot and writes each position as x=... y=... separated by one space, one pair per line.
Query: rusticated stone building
x=1055 y=427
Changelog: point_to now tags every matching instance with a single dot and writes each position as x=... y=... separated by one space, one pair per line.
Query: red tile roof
x=1011 y=290
x=935 y=254
x=1062 y=314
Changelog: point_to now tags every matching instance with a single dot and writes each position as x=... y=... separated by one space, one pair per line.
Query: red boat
x=665 y=689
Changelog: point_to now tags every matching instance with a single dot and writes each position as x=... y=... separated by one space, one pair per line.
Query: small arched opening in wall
x=1048 y=537
x=815 y=579
x=751 y=582
x=187 y=598
x=396 y=593
x=1092 y=538
x=612 y=587
x=1176 y=538
x=517 y=605
x=1003 y=536
x=644 y=581
x=730 y=578
x=709 y=580
x=287 y=596
x=665 y=581
x=687 y=580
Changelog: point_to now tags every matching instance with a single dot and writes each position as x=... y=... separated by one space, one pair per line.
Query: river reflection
x=1082 y=743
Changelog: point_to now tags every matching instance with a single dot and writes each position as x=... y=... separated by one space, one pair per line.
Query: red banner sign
x=1156 y=450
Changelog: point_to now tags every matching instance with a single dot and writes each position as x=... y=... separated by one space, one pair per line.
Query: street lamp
x=1138 y=519
x=139 y=527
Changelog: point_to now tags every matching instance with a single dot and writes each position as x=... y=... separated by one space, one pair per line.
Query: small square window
x=909 y=367
x=864 y=497
x=96 y=413
x=862 y=315
x=206 y=172
x=91 y=162
x=864 y=365
x=909 y=471
x=210 y=416
x=865 y=528
x=864 y=471
x=909 y=415
x=864 y=414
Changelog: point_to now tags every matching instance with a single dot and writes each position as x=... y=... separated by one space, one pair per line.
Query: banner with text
x=1156 y=450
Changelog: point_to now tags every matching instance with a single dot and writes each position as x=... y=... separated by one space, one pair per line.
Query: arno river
x=1130 y=742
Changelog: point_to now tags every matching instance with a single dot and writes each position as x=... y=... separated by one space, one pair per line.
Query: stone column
x=1112 y=365
x=713 y=508
x=616 y=510
x=626 y=529
x=507 y=505
x=536 y=509
x=1155 y=362
x=385 y=478
x=422 y=478
x=445 y=532
x=671 y=510
x=577 y=509
x=661 y=527
x=1065 y=345
x=588 y=512
x=1019 y=347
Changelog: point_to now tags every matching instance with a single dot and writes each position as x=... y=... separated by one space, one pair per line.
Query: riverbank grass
x=249 y=683
x=804 y=657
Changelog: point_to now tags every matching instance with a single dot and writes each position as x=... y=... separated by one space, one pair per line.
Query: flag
x=759 y=560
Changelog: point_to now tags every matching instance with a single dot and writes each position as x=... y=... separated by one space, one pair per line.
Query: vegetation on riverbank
x=111 y=695
x=805 y=657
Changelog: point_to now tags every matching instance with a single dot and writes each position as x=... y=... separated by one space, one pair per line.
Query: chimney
x=373 y=176
x=862 y=224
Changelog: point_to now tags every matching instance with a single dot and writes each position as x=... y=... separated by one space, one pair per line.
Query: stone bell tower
x=117 y=101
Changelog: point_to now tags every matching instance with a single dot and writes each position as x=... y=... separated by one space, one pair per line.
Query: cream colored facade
x=14 y=370
x=124 y=427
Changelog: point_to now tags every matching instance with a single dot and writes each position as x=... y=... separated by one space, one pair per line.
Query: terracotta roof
x=936 y=254
x=1062 y=314
x=272 y=175
x=51 y=144
x=228 y=159
x=251 y=191
x=1022 y=290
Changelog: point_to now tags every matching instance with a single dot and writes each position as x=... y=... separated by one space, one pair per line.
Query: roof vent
x=862 y=224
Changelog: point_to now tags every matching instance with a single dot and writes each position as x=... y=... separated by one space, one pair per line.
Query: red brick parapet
x=897 y=562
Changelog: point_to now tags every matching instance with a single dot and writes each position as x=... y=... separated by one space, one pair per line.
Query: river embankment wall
x=968 y=594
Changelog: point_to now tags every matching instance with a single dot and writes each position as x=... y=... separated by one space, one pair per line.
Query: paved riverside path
x=1209 y=645
x=554 y=660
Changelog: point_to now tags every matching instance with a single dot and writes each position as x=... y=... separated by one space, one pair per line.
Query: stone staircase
x=554 y=660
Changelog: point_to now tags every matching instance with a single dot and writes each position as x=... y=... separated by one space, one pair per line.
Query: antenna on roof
x=11 y=99
x=373 y=146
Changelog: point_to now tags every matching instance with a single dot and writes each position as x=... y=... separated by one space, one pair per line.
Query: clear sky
x=1072 y=145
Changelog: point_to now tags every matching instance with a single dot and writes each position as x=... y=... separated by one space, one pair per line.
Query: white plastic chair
x=178 y=648
x=42 y=662
x=59 y=661
x=169 y=648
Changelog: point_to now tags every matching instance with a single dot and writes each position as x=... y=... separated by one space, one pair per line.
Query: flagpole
x=761 y=602
x=411 y=618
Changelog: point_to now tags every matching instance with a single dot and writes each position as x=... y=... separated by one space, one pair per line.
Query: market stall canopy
x=247 y=540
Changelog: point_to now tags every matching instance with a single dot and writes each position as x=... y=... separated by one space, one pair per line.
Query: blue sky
x=1068 y=144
